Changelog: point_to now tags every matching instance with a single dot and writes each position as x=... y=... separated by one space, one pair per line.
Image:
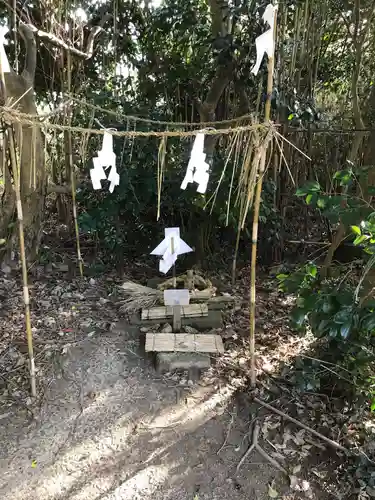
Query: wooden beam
x=164 y=312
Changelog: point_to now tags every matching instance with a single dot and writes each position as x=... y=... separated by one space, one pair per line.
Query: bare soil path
x=109 y=428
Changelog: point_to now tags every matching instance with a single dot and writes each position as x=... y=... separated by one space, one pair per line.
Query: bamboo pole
x=262 y=163
x=71 y=169
x=15 y=167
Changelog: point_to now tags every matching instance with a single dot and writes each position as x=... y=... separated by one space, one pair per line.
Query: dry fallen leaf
x=293 y=482
x=272 y=492
x=296 y=469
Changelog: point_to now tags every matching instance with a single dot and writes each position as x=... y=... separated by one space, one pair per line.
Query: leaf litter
x=65 y=313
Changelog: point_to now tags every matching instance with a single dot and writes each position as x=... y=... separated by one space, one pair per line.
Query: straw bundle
x=138 y=297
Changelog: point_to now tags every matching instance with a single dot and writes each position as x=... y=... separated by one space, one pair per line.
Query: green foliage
x=330 y=308
x=365 y=234
x=349 y=209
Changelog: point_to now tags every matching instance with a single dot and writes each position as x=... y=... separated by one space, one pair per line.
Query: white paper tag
x=176 y=297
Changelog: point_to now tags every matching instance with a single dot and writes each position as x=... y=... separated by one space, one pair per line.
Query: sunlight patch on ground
x=285 y=352
x=142 y=485
x=73 y=472
x=196 y=414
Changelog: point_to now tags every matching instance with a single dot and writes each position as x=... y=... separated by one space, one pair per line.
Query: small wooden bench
x=184 y=342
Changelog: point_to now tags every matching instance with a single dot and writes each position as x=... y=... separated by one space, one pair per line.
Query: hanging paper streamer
x=97 y=174
x=4 y=60
x=170 y=248
x=113 y=178
x=197 y=169
x=106 y=155
x=265 y=43
x=106 y=158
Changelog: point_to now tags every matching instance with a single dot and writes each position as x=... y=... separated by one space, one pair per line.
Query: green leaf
x=301 y=192
x=344 y=176
x=313 y=186
x=360 y=239
x=345 y=180
x=343 y=316
x=282 y=277
x=345 y=298
x=332 y=332
x=327 y=306
x=368 y=323
x=291 y=116
x=308 y=199
x=321 y=203
x=356 y=230
x=372 y=405
x=322 y=327
x=345 y=330
x=309 y=188
x=312 y=270
x=298 y=317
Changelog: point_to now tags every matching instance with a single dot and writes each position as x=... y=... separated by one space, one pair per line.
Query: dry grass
x=138 y=297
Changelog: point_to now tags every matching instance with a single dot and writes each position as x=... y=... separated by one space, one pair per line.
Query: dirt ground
x=110 y=428
x=106 y=426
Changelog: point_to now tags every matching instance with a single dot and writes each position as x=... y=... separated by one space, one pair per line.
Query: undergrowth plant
x=339 y=311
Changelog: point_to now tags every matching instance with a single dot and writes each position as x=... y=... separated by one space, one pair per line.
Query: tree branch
x=219 y=9
x=57 y=42
x=224 y=75
x=28 y=72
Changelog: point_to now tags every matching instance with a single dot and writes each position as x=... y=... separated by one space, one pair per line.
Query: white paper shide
x=265 y=43
x=170 y=248
x=106 y=159
x=197 y=169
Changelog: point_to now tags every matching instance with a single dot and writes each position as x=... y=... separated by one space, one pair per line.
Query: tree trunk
x=31 y=156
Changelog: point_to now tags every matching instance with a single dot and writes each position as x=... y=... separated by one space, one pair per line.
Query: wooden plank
x=163 y=312
x=213 y=319
x=221 y=299
x=184 y=342
x=201 y=294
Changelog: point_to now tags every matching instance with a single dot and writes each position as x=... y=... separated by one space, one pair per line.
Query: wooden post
x=176 y=309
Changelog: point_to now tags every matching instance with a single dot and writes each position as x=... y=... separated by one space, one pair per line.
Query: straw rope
x=159 y=122
x=134 y=118
x=10 y=115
